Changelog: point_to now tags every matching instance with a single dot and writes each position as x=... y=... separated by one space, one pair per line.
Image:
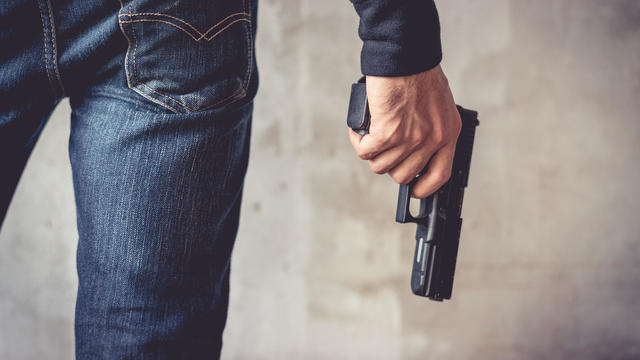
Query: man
x=161 y=94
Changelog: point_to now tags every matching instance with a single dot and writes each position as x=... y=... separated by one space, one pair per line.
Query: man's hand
x=413 y=120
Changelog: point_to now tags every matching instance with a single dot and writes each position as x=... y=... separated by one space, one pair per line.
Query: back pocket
x=188 y=56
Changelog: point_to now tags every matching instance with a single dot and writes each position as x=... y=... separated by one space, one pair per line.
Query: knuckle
x=419 y=193
x=437 y=135
x=458 y=126
x=362 y=154
x=388 y=137
x=415 y=139
x=394 y=138
x=376 y=167
x=401 y=178
x=389 y=133
x=395 y=177
x=442 y=177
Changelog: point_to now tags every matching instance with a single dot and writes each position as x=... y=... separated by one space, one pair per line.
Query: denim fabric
x=166 y=36
x=161 y=94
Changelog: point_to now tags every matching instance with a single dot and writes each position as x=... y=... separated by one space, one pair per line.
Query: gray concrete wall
x=549 y=262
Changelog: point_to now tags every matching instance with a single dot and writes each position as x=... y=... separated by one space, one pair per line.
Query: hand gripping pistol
x=438 y=218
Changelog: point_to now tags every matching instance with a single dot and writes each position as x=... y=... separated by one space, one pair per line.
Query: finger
x=355 y=140
x=437 y=174
x=389 y=159
x=368 y=146
x=354 y=137
x=407 y=169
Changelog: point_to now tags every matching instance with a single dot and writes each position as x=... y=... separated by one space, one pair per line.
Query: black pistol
x=438 y=218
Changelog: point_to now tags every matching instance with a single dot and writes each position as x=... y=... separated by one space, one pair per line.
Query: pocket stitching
x=200 y=34
x=247 y=77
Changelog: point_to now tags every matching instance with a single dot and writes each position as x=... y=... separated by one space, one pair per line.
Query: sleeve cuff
x=400 y=37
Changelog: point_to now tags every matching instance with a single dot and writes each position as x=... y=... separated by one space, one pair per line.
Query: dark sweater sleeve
x=400 y=37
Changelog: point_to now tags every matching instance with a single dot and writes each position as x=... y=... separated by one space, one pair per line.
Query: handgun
x=438 y=219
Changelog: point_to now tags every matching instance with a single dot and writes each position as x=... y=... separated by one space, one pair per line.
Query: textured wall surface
x=549 y=262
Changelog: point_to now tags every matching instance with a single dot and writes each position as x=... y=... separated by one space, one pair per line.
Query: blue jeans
x=161 y=94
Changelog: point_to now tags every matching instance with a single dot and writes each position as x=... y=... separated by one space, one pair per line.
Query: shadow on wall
x=557 y=263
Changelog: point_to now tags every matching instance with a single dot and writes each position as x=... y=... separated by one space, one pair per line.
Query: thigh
x=158 y=199
x=159 y=147
x=29 y=88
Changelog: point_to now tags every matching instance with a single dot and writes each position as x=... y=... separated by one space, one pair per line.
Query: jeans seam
x=239 y=94
x=54 y=53
x=249 y=38
x=127 y=66
x=135 y=70
x=45 y=47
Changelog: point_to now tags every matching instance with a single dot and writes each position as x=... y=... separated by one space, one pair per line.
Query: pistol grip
x=358 y=117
